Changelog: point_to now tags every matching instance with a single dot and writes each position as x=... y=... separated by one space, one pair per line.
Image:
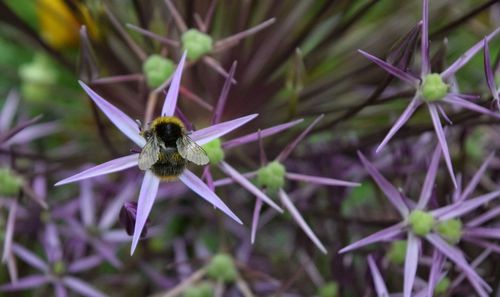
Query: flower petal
x=389 y=190
x=255 y=219
x=122 y=121
x=31 y=133
x=30 y=258
x=199 y=187
x=490 y=77
x=482 y=218
x=239 y=178
x=255 y=136
x=402 y=75
x=320 y=180
x=8 y=110
x=173 y=92
x=291 y=146
x=378 y=281
x=110 y=214
x=221 y=103
x=426 y=64
x=465 y=58
x=82 y=287
x=382 y=235
x=60 y=290
x=411 y=263
x=425 y=195
x=455 y=100
x=208 y=134
x=460 y=208
x=25 y=283
x=484 y=232
x=104 y=168
x=435 y=273
x=84 y=264
x=476 y=178
x=442 y=140
x=403 y=118
x=300 y=220
x=9 y=231
x=147 y=196
x=87 y=203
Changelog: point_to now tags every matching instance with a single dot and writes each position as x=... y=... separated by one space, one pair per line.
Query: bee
x=169 y=148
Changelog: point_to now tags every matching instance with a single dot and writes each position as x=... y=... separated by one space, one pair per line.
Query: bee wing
x=191 y=151
x=149 y=154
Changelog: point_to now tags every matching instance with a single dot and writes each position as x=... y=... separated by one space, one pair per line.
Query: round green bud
x=434 y=88
x=203 y=289
x=421 y=222
x=329 y=289
x=196 y=44
x=157 y=70
x=442 y=286
x=271 y=176
x=222 y=268
x=37 y=78
x=59 y=268
x=450 y=230
x=214 y=151
x=10 y=184
x=397 y=252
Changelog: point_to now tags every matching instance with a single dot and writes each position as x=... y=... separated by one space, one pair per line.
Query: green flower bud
x=329 y=289
x=59 y=268
x=421 y=222
x=196 y=44
x=10 y=184
x=442 y=286
x=203 y=289
x=397 y=252
x=434 y=88
x=451 y=230
x=214 y=151
x=271 y=176
x=222 y=268
x=157 y=70
x=37 y=77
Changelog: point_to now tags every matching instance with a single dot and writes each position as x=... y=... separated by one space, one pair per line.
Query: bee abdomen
x=170 y=165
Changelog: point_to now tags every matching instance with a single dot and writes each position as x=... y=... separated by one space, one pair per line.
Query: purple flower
x=418 y=223
x=432 y=89
x=490 y=75
x=150 y=184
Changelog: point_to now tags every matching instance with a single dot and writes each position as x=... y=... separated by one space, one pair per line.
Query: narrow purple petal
x=239 y=178
x=389 y=190
x=426 y=64
x=116 y=236
x=87 y=203
x=405 y=116
x=378 y=281
x=411 y=263
x=107 y=252
x=208 y=134
x=255 y=136
x=31 y=133
x=477 y=261
x=199 y=187
x=455 y=100
x=147 y=196
x=483 y=218
x=457 y=257
x=8 y=110
x=402 y=75
x=104 y=168
x=290 y=147
x=490 y=77
x=482 y=243
x=476 y=178
x=110 y=214
x=60 y=290
x=442 y=140
x=320 y=180
x=425 y=195
x=484 y=232
x=229 y=180
x=52 y=243
x=25 y=283
x=30 y=258
x=465 y=58
x=434 y=274
x=382 y=235
x=173 y=92
x=9 y=231
x=82 y=287
x=461 y=208
x=122 y=121
x=221 y=103
x=84 y=264
x=300 y=220
x=255 y=219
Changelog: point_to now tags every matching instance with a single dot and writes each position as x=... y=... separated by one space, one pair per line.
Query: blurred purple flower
x=432 y=89
x=419 y=223
x=150 y=184
x=490 y=75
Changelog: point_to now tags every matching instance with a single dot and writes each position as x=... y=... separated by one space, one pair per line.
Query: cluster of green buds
x=157 y=70
x=196 y=43
x=10 y=183
x=329 y=289
x=214 y=151
x=397 y=252
x=202 y=289
x=37 y=78
x=272 y=176
x=433 y=88
x=222 y=268
x=422 y=223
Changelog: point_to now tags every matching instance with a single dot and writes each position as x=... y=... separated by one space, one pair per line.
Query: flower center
x=58 y=268
x=421 y=222
x=433 y=88
x=157 y=70
x=10 y=184
x=272 y=176
x=214 y=151
x=222 y=268
x=450 y=230
x=196 y=44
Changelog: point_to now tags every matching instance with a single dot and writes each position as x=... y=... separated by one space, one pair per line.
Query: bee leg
x=139 y=124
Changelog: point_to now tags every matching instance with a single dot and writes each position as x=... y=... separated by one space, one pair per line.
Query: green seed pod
x=157 y=70
x=397 y=252
x=196 y=44
x=421 y=222
x=434 y=88
x=10 y=184
x=272 y=176
x=451 y=230
x=329 y=289
x=222 y=268
x=442 y=286
x=204 y=289
x=214 y=151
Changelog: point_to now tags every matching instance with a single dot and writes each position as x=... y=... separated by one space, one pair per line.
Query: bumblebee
x=169 y=148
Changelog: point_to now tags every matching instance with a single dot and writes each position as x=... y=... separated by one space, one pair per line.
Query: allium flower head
x=150 y=184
